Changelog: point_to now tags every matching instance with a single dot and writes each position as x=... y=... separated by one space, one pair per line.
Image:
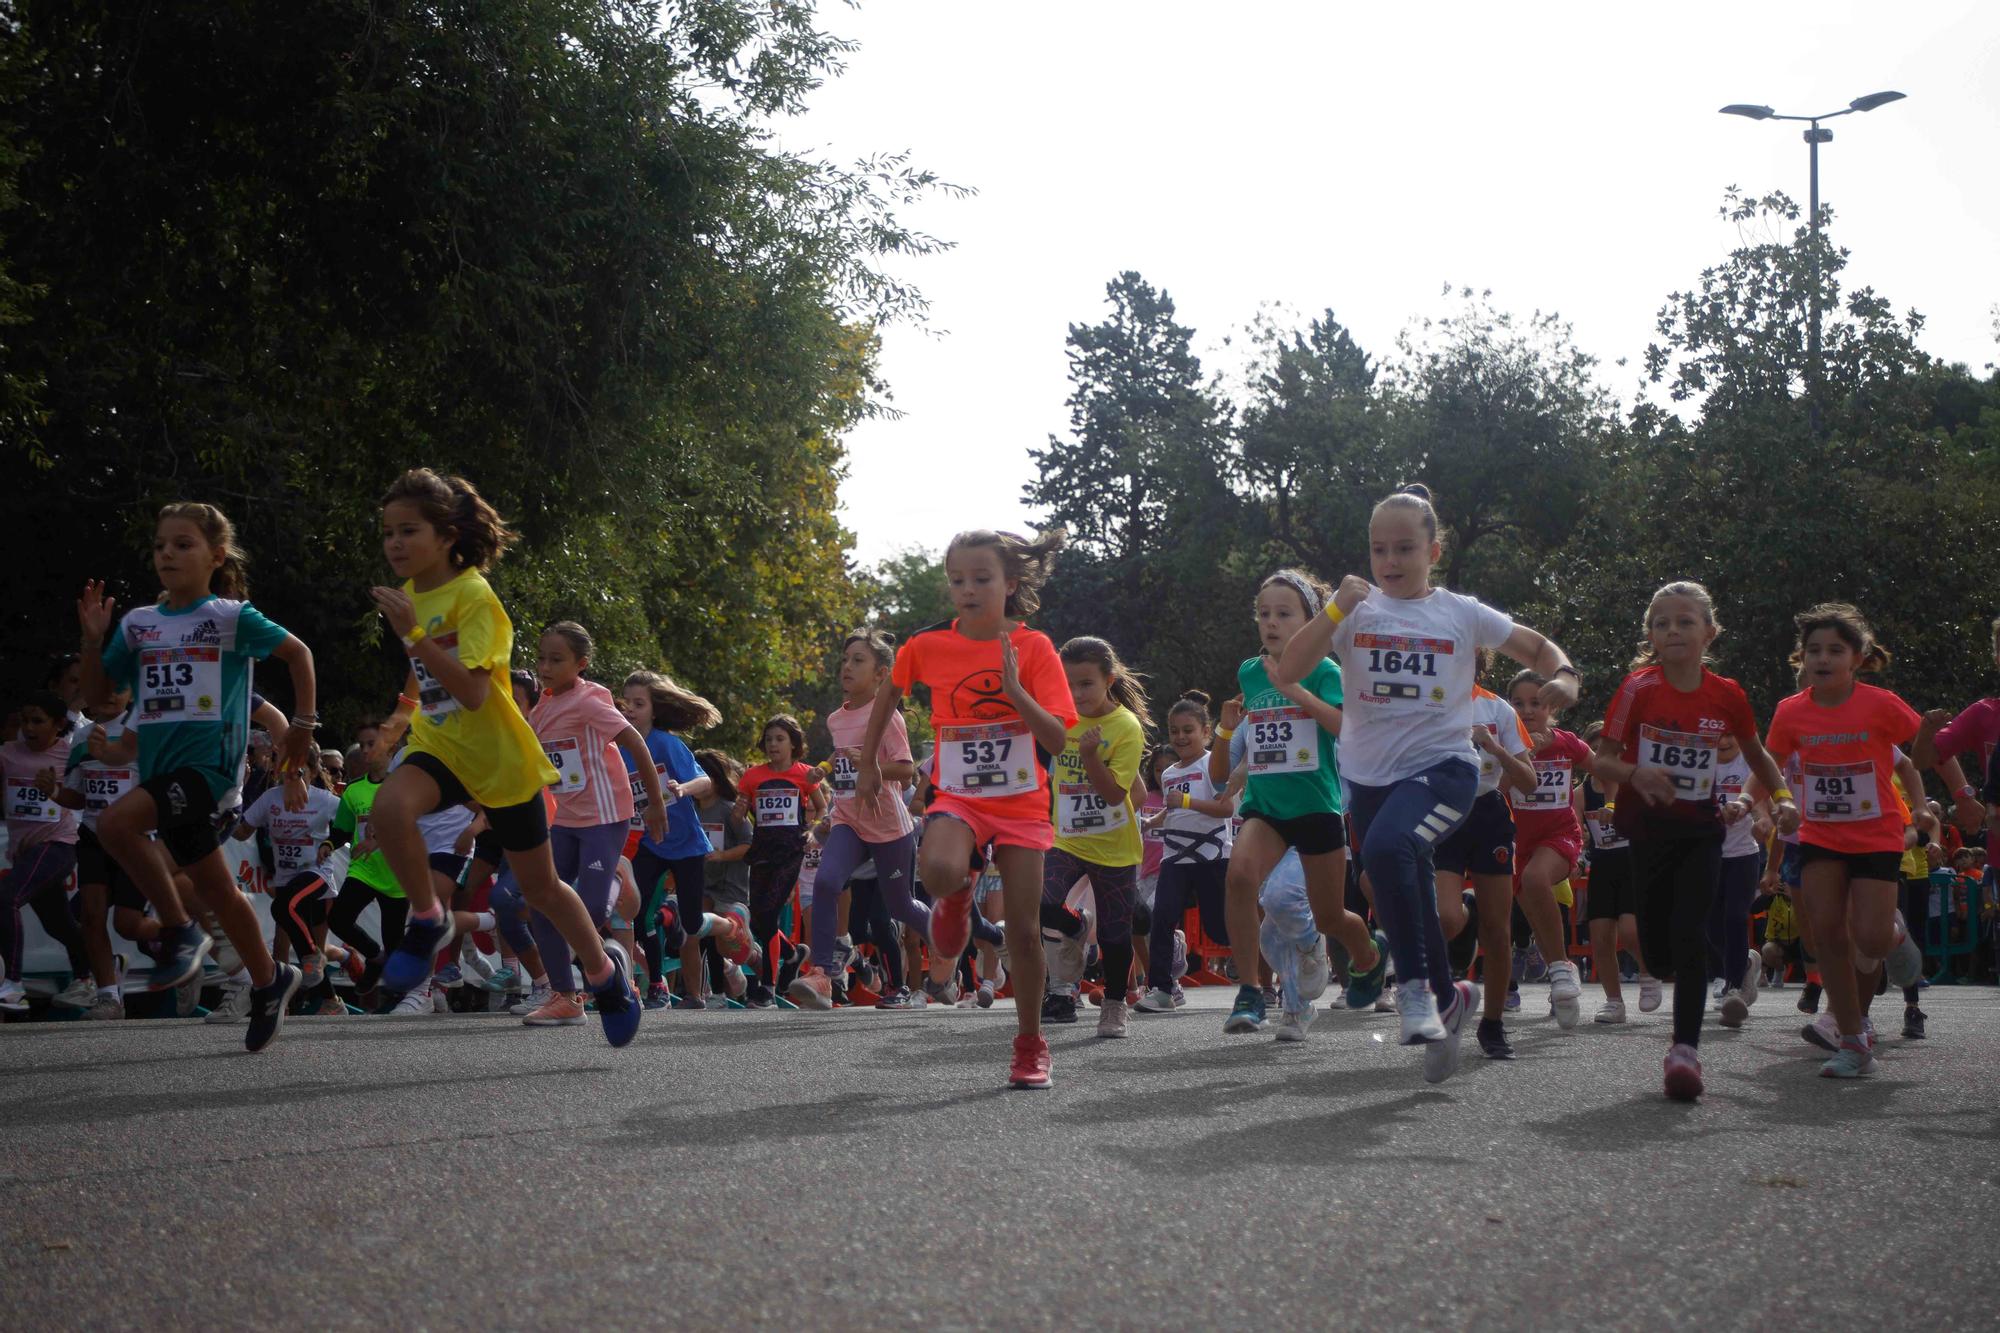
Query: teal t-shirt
x=189 y=673
x=1294 y=763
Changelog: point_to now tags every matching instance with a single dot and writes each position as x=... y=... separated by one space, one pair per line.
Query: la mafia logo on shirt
x=207 y=632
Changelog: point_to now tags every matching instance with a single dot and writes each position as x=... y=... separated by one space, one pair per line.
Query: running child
x=1195 y=830
x=41 y=848
x=300 y=847
x=658 y=708
x=1611 y=911
x=783 y=798
x=91 y=785
x=1548 y=837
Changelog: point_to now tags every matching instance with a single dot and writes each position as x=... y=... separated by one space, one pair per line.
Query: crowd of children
x=1362 y=814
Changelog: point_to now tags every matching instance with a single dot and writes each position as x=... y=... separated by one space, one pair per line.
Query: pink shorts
x=1566 y=845
x=1035 y=834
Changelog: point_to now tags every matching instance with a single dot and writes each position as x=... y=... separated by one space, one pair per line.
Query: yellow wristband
x=1187 y=801
x=1334 y=613
x=1224 y=732
x=1780 y=794
x=414 y=637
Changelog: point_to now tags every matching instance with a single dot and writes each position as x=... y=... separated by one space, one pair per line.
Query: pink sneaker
x=1030 y=1068
x=1683 y=1073
x=813 y=989
x=561 y=1010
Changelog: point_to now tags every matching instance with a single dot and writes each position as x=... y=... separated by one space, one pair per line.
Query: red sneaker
x=1683 y=1074
x=951 y=923
x=1030 y=1068
x=812 y=990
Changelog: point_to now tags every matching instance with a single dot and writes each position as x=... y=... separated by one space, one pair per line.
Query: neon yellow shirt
x=1087 y=826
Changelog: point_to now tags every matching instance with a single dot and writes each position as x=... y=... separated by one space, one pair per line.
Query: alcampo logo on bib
x=206 y=703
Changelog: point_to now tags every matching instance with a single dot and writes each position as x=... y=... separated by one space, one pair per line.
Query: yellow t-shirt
x=1916 y=862
x=1087 y=826
x=491 y=749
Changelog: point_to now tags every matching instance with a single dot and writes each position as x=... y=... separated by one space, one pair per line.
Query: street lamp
x=1814 y=137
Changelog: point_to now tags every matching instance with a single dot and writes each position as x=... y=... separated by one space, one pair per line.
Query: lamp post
x=1815 y=135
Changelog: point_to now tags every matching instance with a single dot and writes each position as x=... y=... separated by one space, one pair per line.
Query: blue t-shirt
x=685 y=836
x=189 y=672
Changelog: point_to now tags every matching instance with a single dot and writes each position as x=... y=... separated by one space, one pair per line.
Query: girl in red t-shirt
x=1548 y=836
x=783 y=799
x=1662 y=744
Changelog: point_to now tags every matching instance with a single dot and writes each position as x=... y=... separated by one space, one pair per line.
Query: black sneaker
x=1913 y=1022
x=792 y=962
x=1809 y=998
x=178 y=955
x=896 y=997
x=267 y=1007
x=371 y=976
x=1493 y=1040
x=759 y=996
x=1058 y=1008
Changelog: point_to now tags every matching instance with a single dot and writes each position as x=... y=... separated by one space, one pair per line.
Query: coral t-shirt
x=778 y=796
x=1546 y=813
x=1680 y=732
x=1848 y=800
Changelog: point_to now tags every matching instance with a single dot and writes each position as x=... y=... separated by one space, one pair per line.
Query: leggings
x=1729 y=920
x=1916 y=896
x=299 y=908
x=1200 y=884
x=776 y=857
x=36 y=881
x=510 y=912
x=347 y=908
x=869 y=922
x=895 y=873
x=1397 y=828
x=1115 y=888
x=690 y=874
x=587 y=861
x=1673 y=883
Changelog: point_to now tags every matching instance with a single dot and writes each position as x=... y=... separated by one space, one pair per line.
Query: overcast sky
x=1358 y=157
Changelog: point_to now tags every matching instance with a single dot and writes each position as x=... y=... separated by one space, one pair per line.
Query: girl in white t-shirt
x=1194 y=827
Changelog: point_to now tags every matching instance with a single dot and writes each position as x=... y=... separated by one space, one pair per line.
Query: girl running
x=1731 y=960
x=41 y=847
x=1611 y=908
x=724 y=924
x=1096 y=831
x=187 y=659
x=1845 y=734
x=300 y=847
x=1661 y=745
x=1195 y=832
x=783 y=798
x=90 y=786
x=1406 y=748
x=881 y=833
x=658 y=708
x=1292 y=799
x=467 y=740
x=1000 y=702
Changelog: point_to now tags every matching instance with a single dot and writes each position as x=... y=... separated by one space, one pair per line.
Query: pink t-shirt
x=890 y=819
x=578 y=730
x=33 y=817
x=1977 y=729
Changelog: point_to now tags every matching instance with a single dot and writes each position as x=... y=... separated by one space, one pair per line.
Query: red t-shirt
x=1657 y=726
x=1977 y=729
x=1847 y=767
x=985 y=752
x=1546 y=814
x=778 y=798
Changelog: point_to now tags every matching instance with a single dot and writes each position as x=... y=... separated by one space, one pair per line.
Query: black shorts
x=1309 y=835
x=1609 y=894
x=519 y=828
x=1483 y=844
x=486 y=847
x=1885 y=866
x=187 y=813
x=448 y=864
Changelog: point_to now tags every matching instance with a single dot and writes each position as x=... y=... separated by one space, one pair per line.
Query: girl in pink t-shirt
x=854 y=831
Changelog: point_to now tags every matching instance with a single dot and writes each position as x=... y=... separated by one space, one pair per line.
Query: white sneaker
x=1315 y=970
x=105 y=1006
x=476 y=967
x=1111 y=1019
x=1156 y=1001
x=1441 y=1057
x=1384 y=1004
x=1565 y=995
x=440 y=1002
x=1753 y=975
x=1065 y=952
x=1732 y=1011
x=538 y=995
x=1649 y=993
x=1613 y=1011
x=77 y=995
x=13 y=996
x=235 y=1006
x=1419 y=1011
x=414 y=1004
x=1293 y=1025
x=1905 y=961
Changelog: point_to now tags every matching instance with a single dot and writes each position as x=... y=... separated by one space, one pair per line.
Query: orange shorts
x=1036 y=834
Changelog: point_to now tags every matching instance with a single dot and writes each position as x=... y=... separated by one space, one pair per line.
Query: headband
x=1305 y=591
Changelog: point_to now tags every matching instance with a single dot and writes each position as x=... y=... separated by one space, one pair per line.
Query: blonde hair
x=232 y=580
x=1028 y=562
x=1695 y=593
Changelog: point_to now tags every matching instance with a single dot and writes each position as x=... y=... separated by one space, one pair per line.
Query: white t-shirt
x=295 y=834
x=1495 y=714
x=1738 y=839
x=442 y=827
x=1408 y=671
x=1189 y=836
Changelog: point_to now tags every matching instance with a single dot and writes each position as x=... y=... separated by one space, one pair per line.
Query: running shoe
x=1534 y=968
x=268 y=1005
x=897 y=997
x=1247 y=1014
x=178 y=956
x=984 y=999
x=331 y=1007
x=1385 y=1003
x=13 y=996
x=1293 y=1024
x=1364 y=988
x=843 y=954
x=813 y=990
x=1271 y=997
x=313 y=968
x=1822 y=1032
x=1059 y=1007
x=449 y=977
x=735 y=982
x=1913 y=1022
x=933 y=993
x=417 y=1004
x=1315 y=969
x=618 y=1007
x=1112 y=1019
x=1030 y=1065
x=1683 y=1070
x=691 y=1002
x=77 y=995
x=1493 y=1040
x=1565 y=995
x=658 y=997
x=1180 y=996
x=1809 y=998
x=791 y=962
x=479 y=967
x=1441 y=1057
x=107 y=1006
x=538 y=995
x=235 y=1006
x=1419 y=1011
x=1853 y=1059
x=1156 y=1001
x=1611 y=1011
x=504 y=979
x=187 y=998
x=1513 y=998
x=1649 y=993
x=1905 y=961
x=1733 y=1010
x=409 y=965
x=560 y=1010
x=1753 y=976
x=1178 y=968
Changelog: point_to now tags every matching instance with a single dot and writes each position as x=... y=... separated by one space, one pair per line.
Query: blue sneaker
x=1364 y=988
x=409 y=965
x=658 y=997
x=450 y=976
x=1247 y=1015
x=617 y=1003
x=177 y=957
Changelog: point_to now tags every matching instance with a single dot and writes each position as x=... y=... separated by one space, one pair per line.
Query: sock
x=240 y=977
x=434 y=914
x=539 y=979
x=484 y=921
x=112 y=992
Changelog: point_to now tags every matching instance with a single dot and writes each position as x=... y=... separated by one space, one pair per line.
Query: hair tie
x=1305 y=590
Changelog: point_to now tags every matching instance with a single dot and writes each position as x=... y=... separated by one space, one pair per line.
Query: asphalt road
x=860 y=1169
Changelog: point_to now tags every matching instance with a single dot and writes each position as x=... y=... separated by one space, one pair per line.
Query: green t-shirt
x=357 y=801
x=1294 y=763
x=1088 y=827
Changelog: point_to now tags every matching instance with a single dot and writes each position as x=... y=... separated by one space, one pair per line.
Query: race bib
x=1603 y=835
x=1551 y=788
x=1080 y=811
x=842 y=779
x=566 y=758
x=809 y=867
x=640 y=802
x=715 y=836
x=1841 y=793
x=776 y=806
x=433 y=699
x=989 y=761
x=102 y=787
x=1283 y=740
x=180 y=684
x=293 y=846
x=27 y=805
x=1686 y=757
x=1403 y=672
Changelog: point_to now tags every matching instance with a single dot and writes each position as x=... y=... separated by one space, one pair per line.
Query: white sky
x=1568 y=157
